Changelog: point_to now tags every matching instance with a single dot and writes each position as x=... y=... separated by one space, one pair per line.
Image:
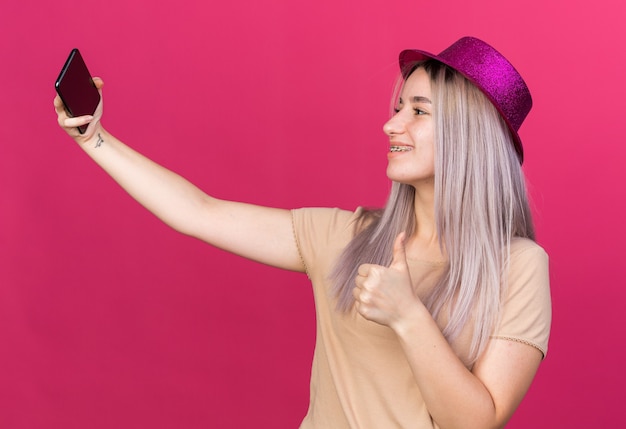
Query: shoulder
x=324 y=220
x=526 y=313
x=520 y=245
x=321 y=234
x=527 y=259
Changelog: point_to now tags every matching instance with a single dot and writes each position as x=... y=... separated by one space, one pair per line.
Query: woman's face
x=412 y=149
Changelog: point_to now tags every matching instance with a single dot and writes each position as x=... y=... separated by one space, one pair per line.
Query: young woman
x=432 y=312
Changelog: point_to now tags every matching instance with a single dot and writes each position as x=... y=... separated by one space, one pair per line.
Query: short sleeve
x=321 y=234
x=527 y=309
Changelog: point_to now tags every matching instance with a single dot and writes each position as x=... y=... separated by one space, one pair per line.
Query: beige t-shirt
x=360 y=377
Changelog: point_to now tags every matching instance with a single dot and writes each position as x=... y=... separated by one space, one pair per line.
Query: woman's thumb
x=399 y=253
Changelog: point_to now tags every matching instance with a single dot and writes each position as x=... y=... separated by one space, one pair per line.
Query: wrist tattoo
x=100 y=141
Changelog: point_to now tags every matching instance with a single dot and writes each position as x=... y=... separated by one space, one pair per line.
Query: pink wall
x=109 y=319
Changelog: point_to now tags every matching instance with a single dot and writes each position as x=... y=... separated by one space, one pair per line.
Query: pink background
x=109 y=319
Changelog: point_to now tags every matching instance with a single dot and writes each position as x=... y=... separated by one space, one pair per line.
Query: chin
x=412 y=178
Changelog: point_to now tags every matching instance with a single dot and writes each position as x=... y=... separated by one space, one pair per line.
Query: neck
x=425 y=240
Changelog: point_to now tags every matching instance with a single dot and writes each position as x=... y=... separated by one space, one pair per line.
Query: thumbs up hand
x=385 y=294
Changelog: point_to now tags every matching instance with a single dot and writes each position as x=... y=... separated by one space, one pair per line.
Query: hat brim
x=408 y=58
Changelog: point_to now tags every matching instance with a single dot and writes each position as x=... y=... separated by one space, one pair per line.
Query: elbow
x=189 y=219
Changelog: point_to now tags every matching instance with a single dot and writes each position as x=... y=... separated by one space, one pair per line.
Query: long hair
x=481 y=203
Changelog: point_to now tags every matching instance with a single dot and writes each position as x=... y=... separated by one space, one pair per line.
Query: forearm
x=169 y=196
x=454 y=396
x=259 y=233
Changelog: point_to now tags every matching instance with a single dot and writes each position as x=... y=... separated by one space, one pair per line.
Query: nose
x=394 y=125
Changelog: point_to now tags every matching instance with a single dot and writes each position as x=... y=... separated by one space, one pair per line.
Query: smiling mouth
x=400 y=148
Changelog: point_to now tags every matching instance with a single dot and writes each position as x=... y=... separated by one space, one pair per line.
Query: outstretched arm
x=259 y=233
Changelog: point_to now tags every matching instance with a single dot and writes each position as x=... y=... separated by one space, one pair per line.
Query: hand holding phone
x=76 y=88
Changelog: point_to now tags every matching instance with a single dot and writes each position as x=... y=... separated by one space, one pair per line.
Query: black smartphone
x=76 y=88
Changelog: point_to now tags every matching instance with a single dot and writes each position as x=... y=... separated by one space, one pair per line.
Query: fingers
x=98 y=82
x=380 y=292
x=71 y=124
x=65 y=120
x=362 y=298
x=368 y=275
x=364 y=270
x=364 y=291
x=76 y=122
x=58 y=104
x=363 y=274
x=366 y=282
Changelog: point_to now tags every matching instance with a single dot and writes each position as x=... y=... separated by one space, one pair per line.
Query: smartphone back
x=76 y=88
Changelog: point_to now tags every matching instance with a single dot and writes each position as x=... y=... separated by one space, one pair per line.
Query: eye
x=419 y=111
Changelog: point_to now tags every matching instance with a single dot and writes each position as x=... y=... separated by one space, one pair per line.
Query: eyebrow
x=418 y=99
